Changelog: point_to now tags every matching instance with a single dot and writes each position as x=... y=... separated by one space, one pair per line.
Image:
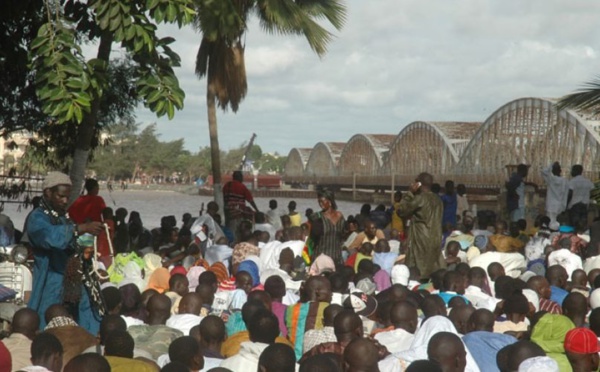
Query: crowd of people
x=420 y=285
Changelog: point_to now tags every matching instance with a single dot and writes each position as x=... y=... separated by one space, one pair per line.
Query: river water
x=152 y=205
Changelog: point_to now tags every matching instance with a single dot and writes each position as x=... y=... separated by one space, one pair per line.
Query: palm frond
x=202 y=57
x=586 y=98
x=332 y=10
x=287 y=17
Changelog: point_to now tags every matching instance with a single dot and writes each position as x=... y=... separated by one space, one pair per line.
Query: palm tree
x=586 y=98
x=220 y=57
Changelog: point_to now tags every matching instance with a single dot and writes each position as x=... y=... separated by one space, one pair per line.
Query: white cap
x=400 y=274
x=595 y=298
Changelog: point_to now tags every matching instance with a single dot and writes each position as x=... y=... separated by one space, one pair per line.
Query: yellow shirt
x=118 y=364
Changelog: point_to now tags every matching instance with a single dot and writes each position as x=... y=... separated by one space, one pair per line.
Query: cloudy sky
x=395 y=61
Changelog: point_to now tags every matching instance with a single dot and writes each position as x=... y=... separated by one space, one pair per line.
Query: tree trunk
x=85 y=134
x=215 y=152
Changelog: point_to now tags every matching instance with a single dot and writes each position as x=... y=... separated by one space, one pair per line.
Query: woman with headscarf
x=321 y=264
x=159 y=280
x=249 y=265
x=132 y=274
x=327 y=228
x=418 y=349
x=549 y=333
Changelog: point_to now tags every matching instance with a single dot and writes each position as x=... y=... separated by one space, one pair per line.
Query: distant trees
x=129 y=154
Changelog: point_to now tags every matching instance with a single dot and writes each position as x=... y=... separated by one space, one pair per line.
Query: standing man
x=425 y=236
x=235 y=196
x=557 y=191
x=52 y=236
x=88 y=207
x=515 y=196
x=579 y=196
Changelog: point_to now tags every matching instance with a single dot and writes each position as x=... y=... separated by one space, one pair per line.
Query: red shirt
x=235 y=195
x=87 y=207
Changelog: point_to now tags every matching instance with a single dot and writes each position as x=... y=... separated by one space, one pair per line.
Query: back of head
x=44 y=348
x=433 y=305
x=521 y=350
x=159 y=307
x=426 y=179
x=238 y=176
x=212 y=329
x=25 y=321
x=482 y=320
x=186 y=350
x=263 y=327
x=516 y=303
x=460 y=317
x=88 y=362
x=504 y=287
x=277 y=358
x=180 y=367
x=111 y=323
x=404 y=315
x=556 y=275
x=451 y=281
x=120 y=344
x=327 y=362
x=55 y=311
x=448 y=351
x=574 y=305
x=90 y=185
x=112 y=299
x=423 y=366
x=330 y=313
x=361 y=355
x=275 y=286
x=347 y=324
x=250 y=308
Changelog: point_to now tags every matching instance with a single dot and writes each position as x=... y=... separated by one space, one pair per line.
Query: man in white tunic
x=557 y=191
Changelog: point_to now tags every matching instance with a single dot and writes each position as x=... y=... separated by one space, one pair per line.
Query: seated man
x=24 y=326
x=448 y=351
x=187 y=351
x=581 y=347
x=403 y=316
x=503 y=242
x=263 y=329
x=453 y=285
x=119 y=354
x=46 y=354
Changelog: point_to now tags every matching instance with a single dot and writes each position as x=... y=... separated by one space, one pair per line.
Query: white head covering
x=132 y=274
x=400 y=274
x=152 y=262
x=432 y=326
x=537 y=364
x=532 y=297
x=193 y=274
x=595 y=298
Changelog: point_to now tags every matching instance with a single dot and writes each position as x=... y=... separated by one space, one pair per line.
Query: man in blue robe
x=52 y=237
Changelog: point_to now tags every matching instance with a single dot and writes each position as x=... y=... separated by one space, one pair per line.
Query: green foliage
x=587 y=98
x=65 y=83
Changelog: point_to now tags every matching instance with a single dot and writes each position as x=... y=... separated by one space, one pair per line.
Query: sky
x=394 y=62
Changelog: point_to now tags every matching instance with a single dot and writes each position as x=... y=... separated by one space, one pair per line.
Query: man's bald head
x=190 y=303
x=361 y=355
x=460 y=318
x=592 y=276
x=433 y=305
x=404 y=315
x=54 y=311
x=26 y=322
x=88 y=362
x=330 y=313
x=159 y=309
x=557 y=276
x=482 y=320
x=521 y=350
x=448 y=351
x=347 y=325
x=575 y=307
x=212 y=330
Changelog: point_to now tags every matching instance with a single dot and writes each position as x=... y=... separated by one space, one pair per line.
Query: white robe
x=557 y=191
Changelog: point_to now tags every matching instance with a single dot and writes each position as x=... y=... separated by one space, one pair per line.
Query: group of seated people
x=510 y=299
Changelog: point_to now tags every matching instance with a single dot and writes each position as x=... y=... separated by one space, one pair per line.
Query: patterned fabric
x=316 y=337
x=116 y=270
x=243 y=250
x=155 y=339
x=550 y=306
x=328 y=347
x=327 y=237
x=220 y=271
x=61 y=321
x=303 y=317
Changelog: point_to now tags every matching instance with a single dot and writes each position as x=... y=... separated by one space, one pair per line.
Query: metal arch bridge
x=527 y=130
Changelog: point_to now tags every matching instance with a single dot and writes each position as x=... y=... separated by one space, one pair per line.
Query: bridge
x=479 y=154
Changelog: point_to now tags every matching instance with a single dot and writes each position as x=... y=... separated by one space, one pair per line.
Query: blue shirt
x=558 y=294
x=447 y=296
x=484 y=347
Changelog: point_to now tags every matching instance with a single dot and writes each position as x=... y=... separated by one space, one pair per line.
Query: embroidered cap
x=361 y=303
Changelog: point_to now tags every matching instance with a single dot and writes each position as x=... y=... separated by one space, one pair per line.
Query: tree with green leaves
x=220 y=57
x=71 y=89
